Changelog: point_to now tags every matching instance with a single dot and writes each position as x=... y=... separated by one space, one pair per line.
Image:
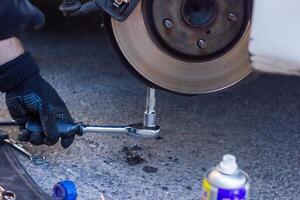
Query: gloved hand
x=18 y=15
x=30 y=97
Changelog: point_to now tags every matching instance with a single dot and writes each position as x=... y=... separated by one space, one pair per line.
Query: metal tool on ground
x=36 y=158
x=65 y=129
x=147 y=129
x=226 y=181
x=6 y=195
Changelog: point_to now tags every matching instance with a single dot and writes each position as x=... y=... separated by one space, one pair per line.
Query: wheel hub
x=201 y=29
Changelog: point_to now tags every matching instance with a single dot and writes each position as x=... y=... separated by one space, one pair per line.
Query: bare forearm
x=10 y=49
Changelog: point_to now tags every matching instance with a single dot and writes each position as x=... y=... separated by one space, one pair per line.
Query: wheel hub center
x=196 y=29
x=199 y=13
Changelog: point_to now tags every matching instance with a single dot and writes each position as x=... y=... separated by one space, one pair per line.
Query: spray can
x=226 y=181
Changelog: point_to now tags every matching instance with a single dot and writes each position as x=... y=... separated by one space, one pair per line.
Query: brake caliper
x=118 y=9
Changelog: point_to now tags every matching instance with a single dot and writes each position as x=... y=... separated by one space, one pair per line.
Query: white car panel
x=275 y=37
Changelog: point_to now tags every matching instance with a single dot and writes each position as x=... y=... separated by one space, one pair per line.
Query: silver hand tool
x=36 y=158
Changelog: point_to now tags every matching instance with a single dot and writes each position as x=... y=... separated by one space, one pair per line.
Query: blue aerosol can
x=226 y=181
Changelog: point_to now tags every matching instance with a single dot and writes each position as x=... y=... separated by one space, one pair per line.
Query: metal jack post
x=148 y=129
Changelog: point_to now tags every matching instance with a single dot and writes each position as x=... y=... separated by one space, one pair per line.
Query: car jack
x=147 y=129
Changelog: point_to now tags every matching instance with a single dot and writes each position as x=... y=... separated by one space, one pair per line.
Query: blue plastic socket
x=64 y=190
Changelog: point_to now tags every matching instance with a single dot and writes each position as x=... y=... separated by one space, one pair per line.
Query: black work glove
x=30 y=97
x=17 y=16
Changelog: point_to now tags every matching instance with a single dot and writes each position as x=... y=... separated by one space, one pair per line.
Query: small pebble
x=165 y=188
x=93 y=146
x=188 y=188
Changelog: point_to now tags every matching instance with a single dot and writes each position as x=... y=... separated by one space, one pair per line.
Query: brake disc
x=187 y=46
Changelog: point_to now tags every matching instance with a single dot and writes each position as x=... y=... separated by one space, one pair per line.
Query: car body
x=275 y=37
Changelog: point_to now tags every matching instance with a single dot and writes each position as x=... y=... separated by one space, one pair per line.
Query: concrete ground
x=257 y=122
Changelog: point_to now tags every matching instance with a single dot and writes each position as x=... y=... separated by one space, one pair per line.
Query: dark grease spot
x=136 y=160
x=188 y=188
x=165 y=188
x=149 y=169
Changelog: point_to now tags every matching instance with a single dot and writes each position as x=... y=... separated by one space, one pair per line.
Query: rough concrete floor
x=258 y=122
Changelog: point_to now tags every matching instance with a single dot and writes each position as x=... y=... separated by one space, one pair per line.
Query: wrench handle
x=64 y=129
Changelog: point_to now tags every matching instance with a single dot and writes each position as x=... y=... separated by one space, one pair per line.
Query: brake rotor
x=187 y=46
